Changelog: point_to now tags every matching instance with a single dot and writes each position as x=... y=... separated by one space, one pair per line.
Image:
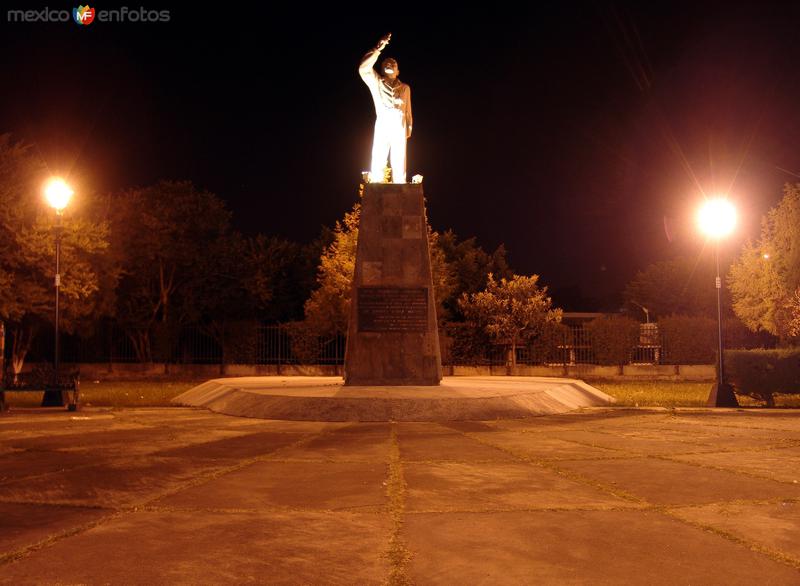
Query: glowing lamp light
x=717 y=217
x=58 y=193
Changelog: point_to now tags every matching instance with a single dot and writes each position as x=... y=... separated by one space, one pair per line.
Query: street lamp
x=58 y=194
x=716 y=219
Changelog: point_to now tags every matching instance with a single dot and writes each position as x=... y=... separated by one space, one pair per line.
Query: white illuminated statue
x=393 y=119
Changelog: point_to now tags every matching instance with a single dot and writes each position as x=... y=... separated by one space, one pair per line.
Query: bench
x=41 y=380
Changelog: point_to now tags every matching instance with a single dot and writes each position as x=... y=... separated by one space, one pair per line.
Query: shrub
x=469 y=343
x=688 y=339
x=737 y=335
x=612 y=338
x=304 y=341
x=550 y=346
x=763 y=373
x=241 y=342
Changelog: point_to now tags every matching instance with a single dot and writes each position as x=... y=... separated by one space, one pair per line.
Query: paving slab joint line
x=576 y=458
x=207 y=477
x=787 y=445
x=546 y=462
x=11 y=482
x=636 y=507
x=573 y=476
x=57 y=504
x=27 y=550
x=628 y=453
x=451 y=461
x=128 y=509
x=618 y=436
x=724 y=426
x=591 y=445
x=373 y=510
x=317 y=460
x=734 y=502
x=773 y=554
x=397 y=553
x=737 y=471
x=769 y=448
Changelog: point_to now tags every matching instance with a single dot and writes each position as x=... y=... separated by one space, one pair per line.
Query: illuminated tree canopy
x=512 y=311
x=765 y=279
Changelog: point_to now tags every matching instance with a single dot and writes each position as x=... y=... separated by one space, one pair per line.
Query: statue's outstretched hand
x=384 y=41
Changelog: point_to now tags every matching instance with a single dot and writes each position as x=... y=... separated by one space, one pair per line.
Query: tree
x=287 y=270
x=681 y=285
x=444 y=283
x=512 y=311
x=469 y=266
x=221 y=295
x=328 y=308
x=169 y=238
x=759 y=296
x=27 y=253
x=765 y=279
x=794 y=314
x=240 y=281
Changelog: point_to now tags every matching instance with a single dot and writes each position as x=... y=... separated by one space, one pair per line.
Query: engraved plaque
x=392 y=309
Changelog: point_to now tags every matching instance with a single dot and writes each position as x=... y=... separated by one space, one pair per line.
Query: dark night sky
x=572 y=135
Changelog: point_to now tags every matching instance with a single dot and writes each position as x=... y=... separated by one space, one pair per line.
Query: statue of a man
x=393 y=119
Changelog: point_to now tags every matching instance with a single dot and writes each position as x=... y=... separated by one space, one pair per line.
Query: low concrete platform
x=456 y=399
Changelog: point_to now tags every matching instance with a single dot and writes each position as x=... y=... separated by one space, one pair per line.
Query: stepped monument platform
x=302 y=398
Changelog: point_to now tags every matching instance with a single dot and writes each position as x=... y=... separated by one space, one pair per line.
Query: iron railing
x=248 y=344
x=252 y=343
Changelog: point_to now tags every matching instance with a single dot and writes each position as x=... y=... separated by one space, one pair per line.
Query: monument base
x=303 y=398
x=392 y=336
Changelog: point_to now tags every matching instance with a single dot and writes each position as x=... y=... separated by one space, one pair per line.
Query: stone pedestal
x=392 y=336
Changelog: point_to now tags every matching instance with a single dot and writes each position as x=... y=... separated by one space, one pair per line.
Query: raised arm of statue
x=366 y=67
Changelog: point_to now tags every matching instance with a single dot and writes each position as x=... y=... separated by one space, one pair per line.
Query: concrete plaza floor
x=601 y=496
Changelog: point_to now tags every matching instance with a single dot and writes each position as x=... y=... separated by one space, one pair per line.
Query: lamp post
x=716 y=219
x=58 y=194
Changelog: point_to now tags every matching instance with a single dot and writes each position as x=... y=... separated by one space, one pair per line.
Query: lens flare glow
x=717 y=217
x=58 y=193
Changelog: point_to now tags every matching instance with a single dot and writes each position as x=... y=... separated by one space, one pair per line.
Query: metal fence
x=251 y=343
x=572 y=346
x=568 y=347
